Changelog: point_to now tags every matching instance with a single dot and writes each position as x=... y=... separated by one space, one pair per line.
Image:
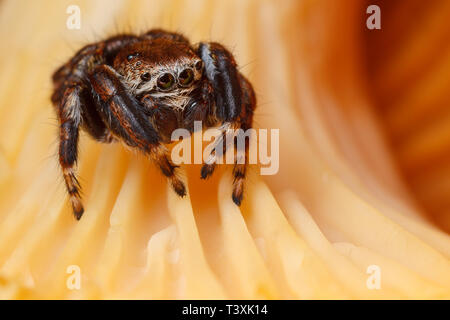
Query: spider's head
x=167 y=70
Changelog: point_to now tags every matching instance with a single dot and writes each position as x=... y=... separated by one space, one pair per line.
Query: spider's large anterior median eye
x=166 y=81
x=186 y=77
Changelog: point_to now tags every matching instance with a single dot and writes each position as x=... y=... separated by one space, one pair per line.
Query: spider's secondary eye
x=199 y=65
x=145 y=76
x=131 y=56
x=185 y=77
x=166 y=81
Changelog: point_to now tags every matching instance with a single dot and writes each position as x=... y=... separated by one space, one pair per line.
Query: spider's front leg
x=127 y=118
x=69 y=115
x=234 y=105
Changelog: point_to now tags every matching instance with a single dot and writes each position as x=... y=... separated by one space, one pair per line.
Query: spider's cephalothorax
x=138 y=89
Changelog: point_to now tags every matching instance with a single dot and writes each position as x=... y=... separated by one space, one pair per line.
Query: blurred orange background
x=364 y=178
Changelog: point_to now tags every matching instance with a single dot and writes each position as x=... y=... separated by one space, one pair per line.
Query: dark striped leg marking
x=240 y=168
x=224 y=139
x=68 y=146
x=160 y=157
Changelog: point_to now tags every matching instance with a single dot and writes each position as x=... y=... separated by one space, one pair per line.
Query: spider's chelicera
x=139 y=89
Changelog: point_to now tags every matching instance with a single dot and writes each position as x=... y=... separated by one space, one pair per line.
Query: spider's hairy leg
x=76 y=70
x=120 y=111
x=128 y=119
x=87 y=58
x=221 y=71
x=160 y=156
x=75 y=107
x=227 y=138
x=234 y=104
x=69 y=117
x=244 y=121
x=209 y=100
x=240 y=167
x=223 y=140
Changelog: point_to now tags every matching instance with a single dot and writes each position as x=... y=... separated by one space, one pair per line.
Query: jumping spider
x=138 y=89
